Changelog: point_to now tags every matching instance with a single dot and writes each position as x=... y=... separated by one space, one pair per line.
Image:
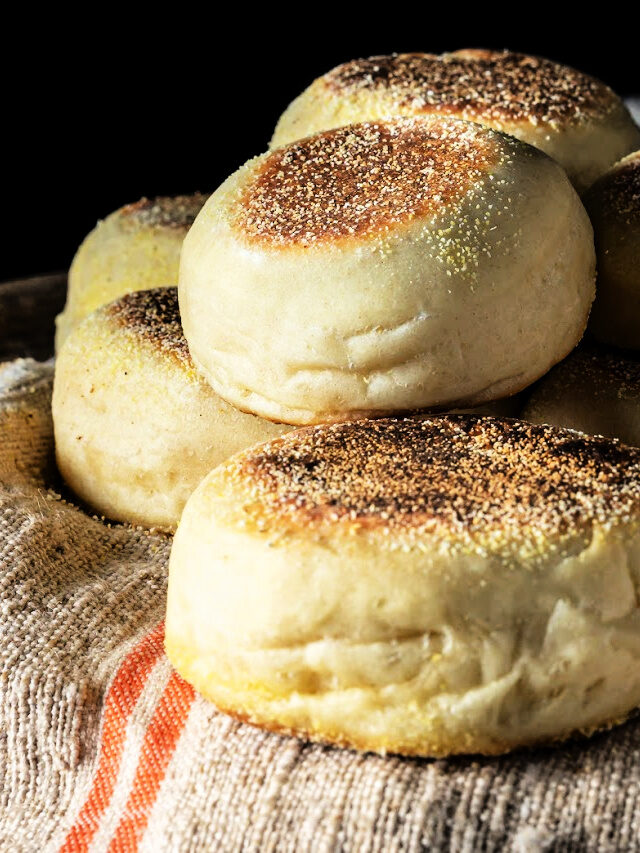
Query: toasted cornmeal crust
x=425 y=586
x=574 y=118
x=135 y=248
x=613 y=203
x=385 y=267
x=136 y=428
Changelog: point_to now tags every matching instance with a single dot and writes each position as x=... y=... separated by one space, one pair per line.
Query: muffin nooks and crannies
x=614 y=206
x=595 y=390
x=383 y=267
x=574 y=118
x=135 y=248
x=136 y=427
x=422 y=586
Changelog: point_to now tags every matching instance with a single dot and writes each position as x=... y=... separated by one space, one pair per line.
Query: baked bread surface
x=137 y=247
x=596 y=390
x=386 y=266
x=426 y=586
x=136 y=427
x=613 y=204
x=571 y=116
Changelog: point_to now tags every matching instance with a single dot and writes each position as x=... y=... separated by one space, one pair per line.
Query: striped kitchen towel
x=104 y=748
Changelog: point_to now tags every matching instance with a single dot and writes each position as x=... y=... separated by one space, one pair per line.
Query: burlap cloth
x=103 y=747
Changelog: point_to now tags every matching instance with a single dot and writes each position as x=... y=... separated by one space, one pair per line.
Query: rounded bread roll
x=423 y=586
x=135 y=248
x=614 y=206
x=574 y=118
x=595 y=390
x=386 y=266
x=136 y=428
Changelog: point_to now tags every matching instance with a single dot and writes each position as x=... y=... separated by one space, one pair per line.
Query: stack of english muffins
x=371 y=550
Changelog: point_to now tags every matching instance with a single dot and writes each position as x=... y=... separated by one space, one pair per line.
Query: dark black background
x=104 y=114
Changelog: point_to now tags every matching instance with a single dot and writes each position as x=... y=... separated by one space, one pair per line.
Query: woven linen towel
x=104 y=747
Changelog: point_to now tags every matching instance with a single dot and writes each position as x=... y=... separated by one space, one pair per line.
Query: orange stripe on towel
x=159 y=744
x=122 y=697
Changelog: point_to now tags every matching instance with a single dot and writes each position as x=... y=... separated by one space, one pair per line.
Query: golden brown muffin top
x=487 y=84
x=365 y=178
x=153 y=317
x=617 y=192
x=176 y=212
x=461 y=478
